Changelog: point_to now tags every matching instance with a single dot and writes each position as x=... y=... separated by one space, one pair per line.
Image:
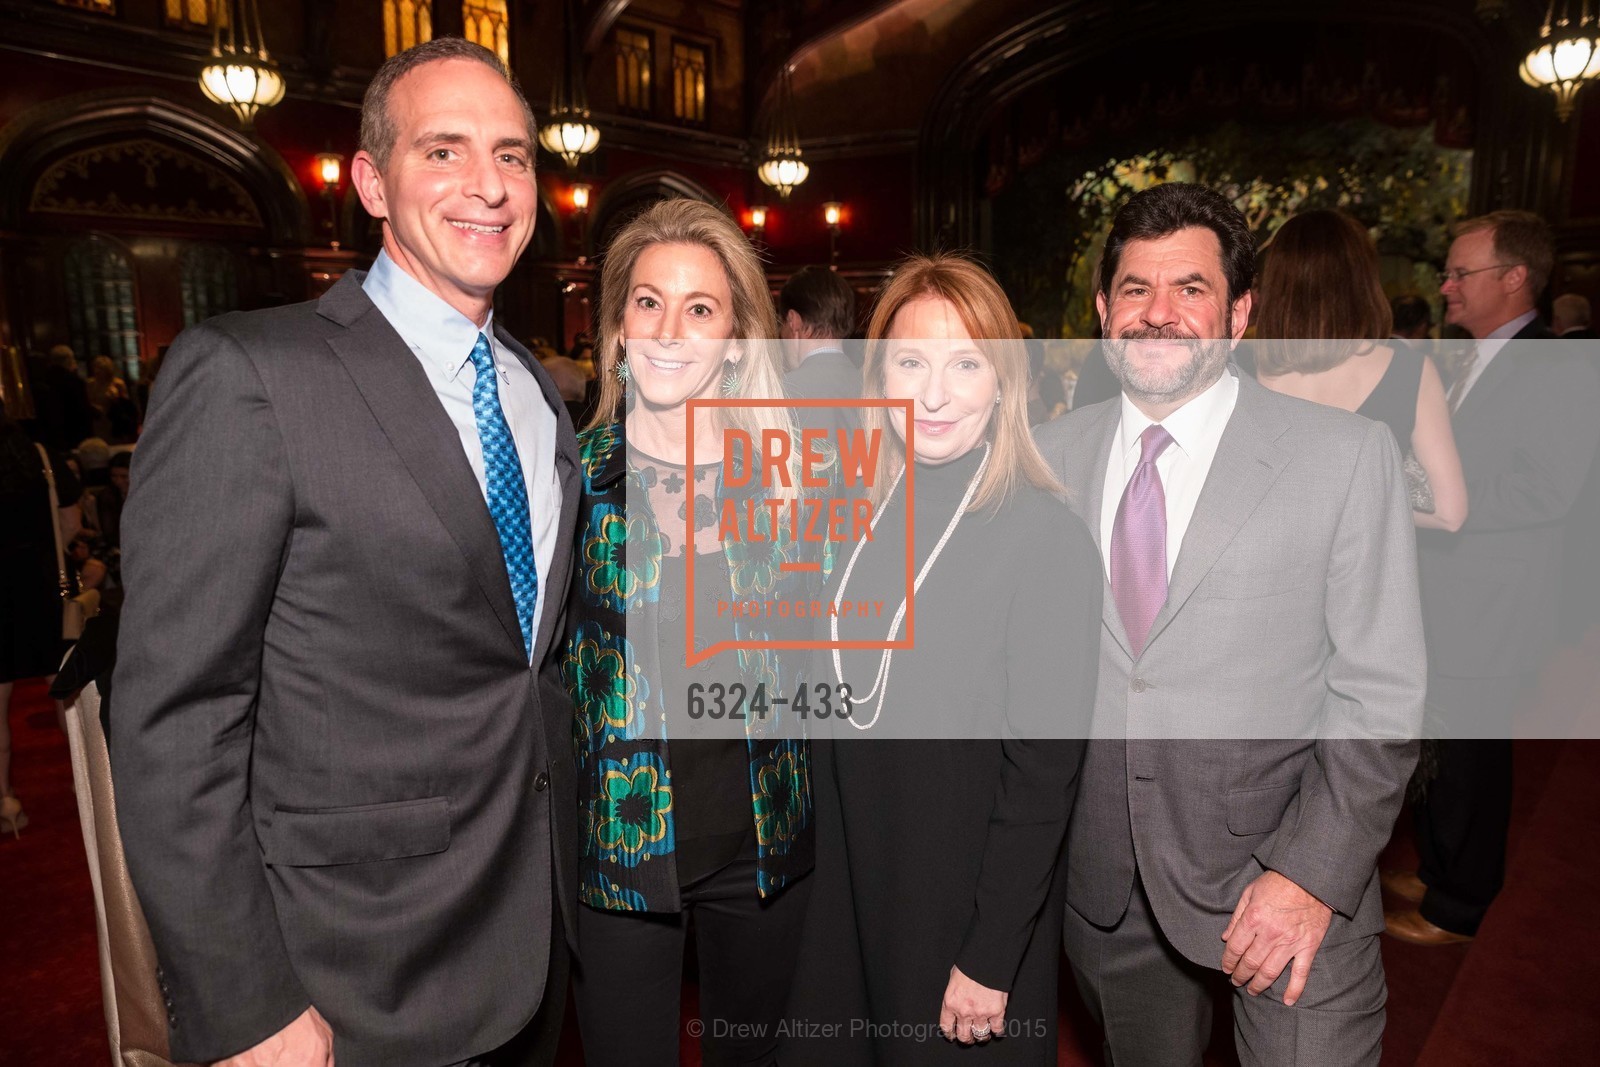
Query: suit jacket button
x=541 y=782
x=1138 y=685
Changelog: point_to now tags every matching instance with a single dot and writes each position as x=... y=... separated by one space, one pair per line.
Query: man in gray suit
x=1261 y=671
x=340 y=743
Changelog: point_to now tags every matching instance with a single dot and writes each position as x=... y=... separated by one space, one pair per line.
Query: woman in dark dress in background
x=935 y=916
x=1320 y=283
x=30 y=585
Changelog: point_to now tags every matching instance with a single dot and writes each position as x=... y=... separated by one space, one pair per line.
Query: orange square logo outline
x=908 y=641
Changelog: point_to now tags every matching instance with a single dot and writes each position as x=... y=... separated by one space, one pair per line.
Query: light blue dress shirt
x=442 y=338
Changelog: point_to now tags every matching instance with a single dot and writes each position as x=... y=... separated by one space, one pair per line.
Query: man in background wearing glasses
x=1525 y=422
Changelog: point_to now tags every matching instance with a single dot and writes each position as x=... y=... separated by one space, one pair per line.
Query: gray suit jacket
x=1527 y=434
x=1291 y=629
x=340 y=782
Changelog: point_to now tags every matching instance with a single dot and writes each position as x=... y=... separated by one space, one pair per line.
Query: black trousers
x=629 y=973
x=1461 y=821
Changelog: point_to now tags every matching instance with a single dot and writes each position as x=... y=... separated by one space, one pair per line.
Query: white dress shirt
x=1490 y=347
x=1196 y=430
x=442 y=339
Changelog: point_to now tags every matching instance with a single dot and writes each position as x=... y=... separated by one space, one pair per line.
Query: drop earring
x=622 y=371
x=730 y=381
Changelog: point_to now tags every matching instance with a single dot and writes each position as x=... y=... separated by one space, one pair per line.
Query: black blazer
x=340 y=782
x=1527 y=434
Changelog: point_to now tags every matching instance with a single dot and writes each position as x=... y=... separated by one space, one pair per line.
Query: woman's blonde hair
x=987 y=316
x=755 y=321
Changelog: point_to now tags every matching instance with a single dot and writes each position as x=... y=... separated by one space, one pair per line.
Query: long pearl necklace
x=880 y=686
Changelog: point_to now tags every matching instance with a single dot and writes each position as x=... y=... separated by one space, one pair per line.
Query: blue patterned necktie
x=506 y=491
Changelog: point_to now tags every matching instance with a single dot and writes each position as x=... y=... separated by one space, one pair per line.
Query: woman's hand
x=972 y=1013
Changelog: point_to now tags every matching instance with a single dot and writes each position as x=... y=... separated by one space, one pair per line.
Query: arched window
x=102 y=313
x=488 y=24
x=634 y=60
x=689 y=65
x=210 y=282
x=406 y=23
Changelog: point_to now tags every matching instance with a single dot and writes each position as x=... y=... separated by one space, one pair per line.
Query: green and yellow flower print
x=608 y=692
x=632 y=814
x=621 y=558
x=782 y=787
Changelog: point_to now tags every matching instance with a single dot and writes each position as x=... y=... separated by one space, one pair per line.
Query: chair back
x=136 y=1016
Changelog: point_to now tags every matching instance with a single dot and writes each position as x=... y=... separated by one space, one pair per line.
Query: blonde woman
x=936 y=910
x=717 y=828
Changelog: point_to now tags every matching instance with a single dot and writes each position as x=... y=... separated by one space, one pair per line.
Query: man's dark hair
x=823 y=299
x=1410 y=312
x=378 y=130
x=1163 y=210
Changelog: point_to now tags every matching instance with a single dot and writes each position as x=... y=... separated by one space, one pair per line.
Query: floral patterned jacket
x=620 y=709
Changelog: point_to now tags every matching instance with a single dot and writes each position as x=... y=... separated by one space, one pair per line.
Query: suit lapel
x=1247 y=462
x=397 y=392
x=1484 y=388
x=554 y=584
x=1499 y=369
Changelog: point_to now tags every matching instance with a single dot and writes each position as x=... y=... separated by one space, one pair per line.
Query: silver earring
x=622 y=371
x=997 y=400
x=730 y=381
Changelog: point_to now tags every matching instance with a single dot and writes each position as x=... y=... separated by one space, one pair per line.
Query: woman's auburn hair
x=988 y=318
x=1319 y=282
x=755 y=321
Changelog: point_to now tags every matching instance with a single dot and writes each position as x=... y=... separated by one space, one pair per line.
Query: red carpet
x=50 y=1010
x=1520 y=994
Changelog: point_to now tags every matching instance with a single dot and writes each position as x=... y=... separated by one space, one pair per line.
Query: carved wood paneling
x=144 y=180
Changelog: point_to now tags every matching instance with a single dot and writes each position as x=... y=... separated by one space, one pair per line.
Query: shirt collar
x=1198 y=418
x=1496 y=340
x=438 y=332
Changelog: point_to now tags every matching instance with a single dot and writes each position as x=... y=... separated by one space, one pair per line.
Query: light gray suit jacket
x=340 y=781
x=1291 y=629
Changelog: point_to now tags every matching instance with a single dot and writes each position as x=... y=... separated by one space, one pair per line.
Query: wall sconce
x=580 y=198
x=330 y=168
x=833 y=215
x=758 y=221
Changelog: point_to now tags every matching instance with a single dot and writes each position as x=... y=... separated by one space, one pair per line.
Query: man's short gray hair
x=378 y=130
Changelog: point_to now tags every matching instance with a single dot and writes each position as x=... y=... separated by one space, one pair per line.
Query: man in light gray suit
x=1261 y=671
x=340 y=743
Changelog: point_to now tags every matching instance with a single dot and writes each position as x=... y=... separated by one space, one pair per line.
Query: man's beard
x=1164 y=385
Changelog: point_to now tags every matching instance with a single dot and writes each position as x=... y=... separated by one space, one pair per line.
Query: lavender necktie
x=1139 y=542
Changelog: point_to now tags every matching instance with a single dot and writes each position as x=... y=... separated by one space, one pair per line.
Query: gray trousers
x=1155 y=1004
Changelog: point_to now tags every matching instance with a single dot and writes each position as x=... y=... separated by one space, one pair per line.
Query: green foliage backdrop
x=1053 y=218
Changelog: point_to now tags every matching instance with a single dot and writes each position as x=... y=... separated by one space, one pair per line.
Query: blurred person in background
x=1413 y=318
x=31 y=645
x=1350 y=369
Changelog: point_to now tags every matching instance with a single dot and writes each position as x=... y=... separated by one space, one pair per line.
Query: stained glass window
x=406 y=23
x=193 y=14
x=210 y=281
x=689 y=64
x=487 y=23
x=634 y=58
x=102 y=314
